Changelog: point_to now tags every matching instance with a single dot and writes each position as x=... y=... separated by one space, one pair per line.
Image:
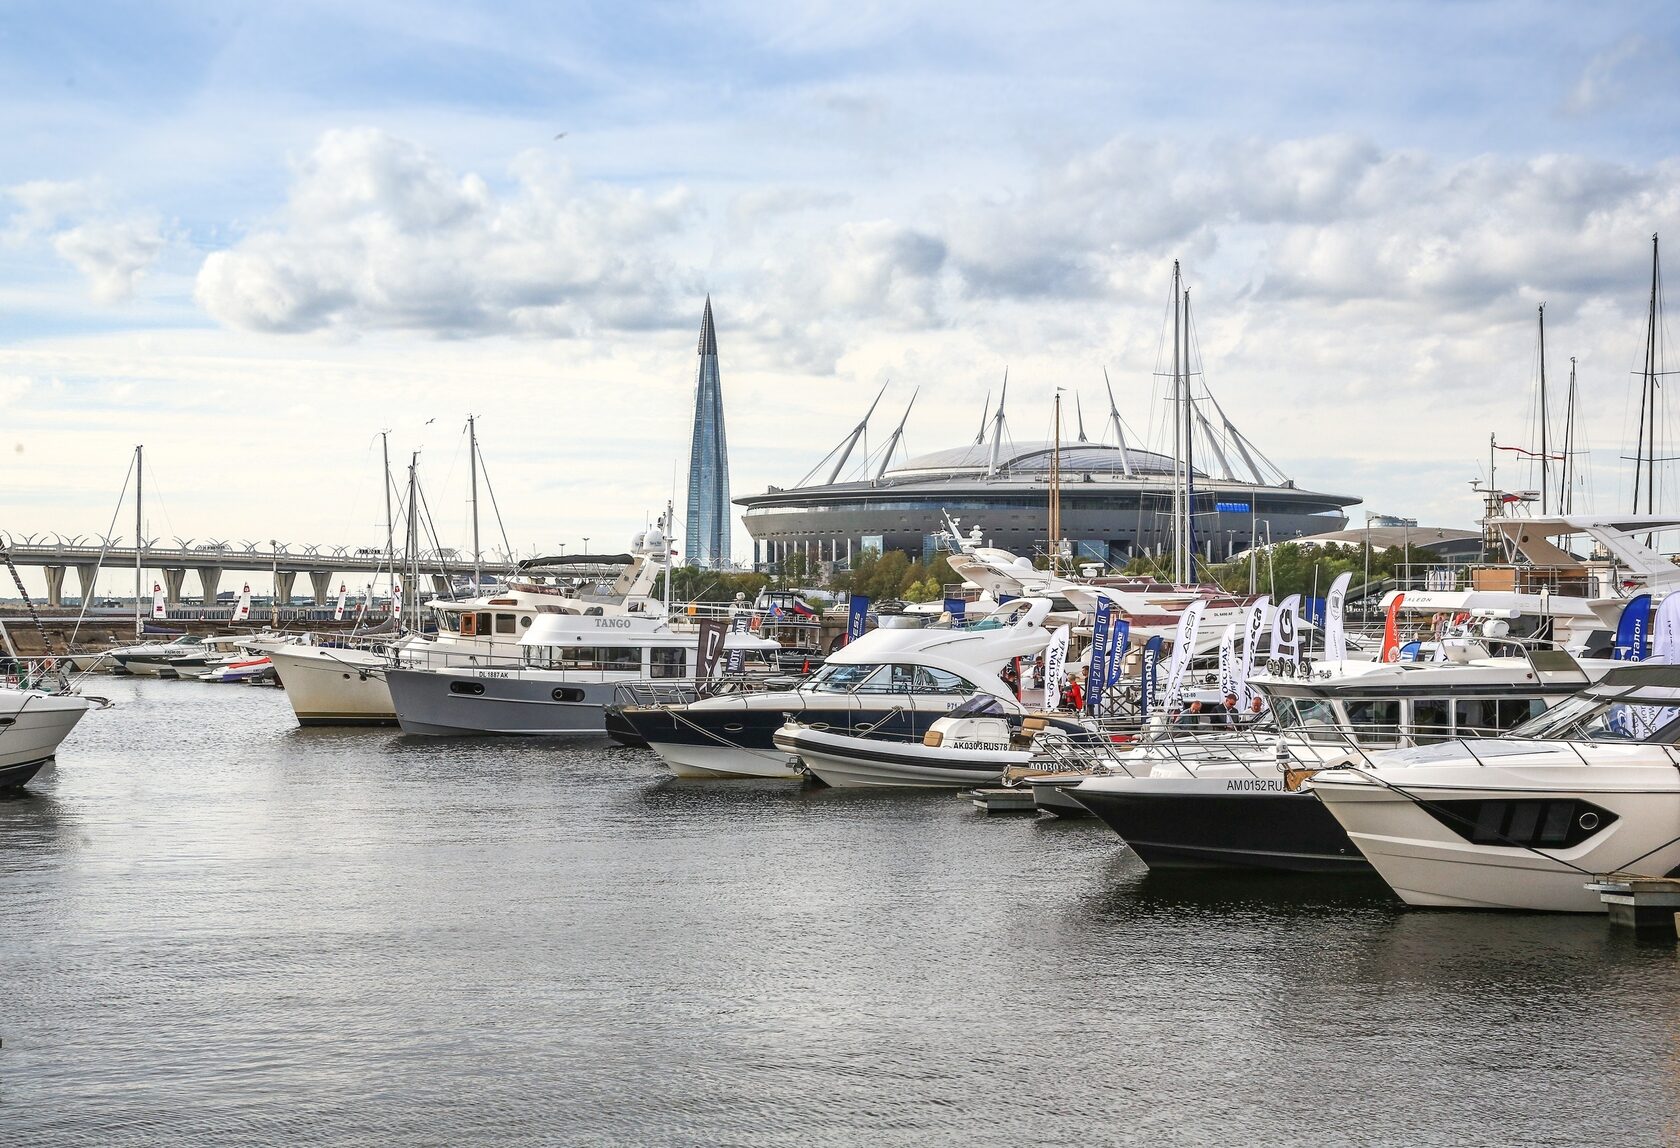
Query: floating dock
x=1646 y=904
x=1003 y=799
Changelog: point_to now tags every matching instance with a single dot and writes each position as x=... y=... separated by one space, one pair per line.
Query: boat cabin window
x=615 y=658
x=504 y=624
x=1431 y=720
x=1486 y=716
x=1375 y=721
x=835 y=678
x=932 y=681
x=464 y=624
x=1599 y=719
x=667 y=662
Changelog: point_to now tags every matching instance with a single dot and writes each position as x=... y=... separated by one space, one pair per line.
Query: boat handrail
x=46 y=675
x=646 y=693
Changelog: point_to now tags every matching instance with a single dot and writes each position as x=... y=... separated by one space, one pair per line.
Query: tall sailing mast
x=1545 y=412
x=1178 y=446
x=1566 y=486
x=1056 y=484
x=472 y=456
x=1645 y=453
x=139 y=533
x=1189 y=456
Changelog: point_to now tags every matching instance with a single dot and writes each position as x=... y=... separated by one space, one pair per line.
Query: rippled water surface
x=219 y=928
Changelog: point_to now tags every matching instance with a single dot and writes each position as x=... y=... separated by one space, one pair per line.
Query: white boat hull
x=329 y=686
x=721 y=761
x=1428 y=864
x=32 y=726
x=860 y=762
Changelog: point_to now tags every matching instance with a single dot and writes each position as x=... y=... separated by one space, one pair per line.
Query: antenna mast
x=139 y=532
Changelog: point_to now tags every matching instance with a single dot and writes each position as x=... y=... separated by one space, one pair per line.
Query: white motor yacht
x=346 y=684
x=1198 y=797
x=32 y=726
x=574 y=664
x=1526 y=821
x=893 y=682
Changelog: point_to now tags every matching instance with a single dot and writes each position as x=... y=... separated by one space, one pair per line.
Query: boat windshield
x=840 y=679
x=1604 y=719
x=980 y=705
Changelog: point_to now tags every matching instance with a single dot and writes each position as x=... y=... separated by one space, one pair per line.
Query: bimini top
x=1033 y=458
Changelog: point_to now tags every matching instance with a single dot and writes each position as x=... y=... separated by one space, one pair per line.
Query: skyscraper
x=708 y=459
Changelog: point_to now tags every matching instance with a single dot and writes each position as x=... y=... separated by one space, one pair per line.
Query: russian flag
x=803 y=610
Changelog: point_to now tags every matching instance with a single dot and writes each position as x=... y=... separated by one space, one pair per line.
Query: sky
x=252 y=237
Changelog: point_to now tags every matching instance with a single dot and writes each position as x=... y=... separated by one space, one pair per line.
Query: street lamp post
x=274 y=594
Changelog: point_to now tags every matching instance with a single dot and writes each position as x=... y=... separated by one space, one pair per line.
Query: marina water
x=221 y=928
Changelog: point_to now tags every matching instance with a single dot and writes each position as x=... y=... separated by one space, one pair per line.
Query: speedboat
x=163 y=659
x=1526 y=821
x=1233 y=799
x=893 y=682
x=972 y=745
x=32 y=725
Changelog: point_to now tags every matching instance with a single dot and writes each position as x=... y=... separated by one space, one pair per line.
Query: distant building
x=1116 y=499
x=708 y=459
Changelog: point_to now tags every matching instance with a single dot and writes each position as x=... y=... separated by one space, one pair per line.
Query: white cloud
x=112 y=253
x=377 y=234
x=111 y=248
x=1616 y=73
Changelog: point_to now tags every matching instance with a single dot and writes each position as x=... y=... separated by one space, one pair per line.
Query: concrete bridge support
x=55 y=585
x=283 y=580
x=321 y=580
x=174 y=578
x=441 y=586
x=87 y=577
x=210 y=583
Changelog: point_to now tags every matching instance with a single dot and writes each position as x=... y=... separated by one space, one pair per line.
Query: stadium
x=1116 y=499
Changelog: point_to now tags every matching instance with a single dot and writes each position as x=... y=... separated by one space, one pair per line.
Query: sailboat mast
x=411 y=548
x=472 y=456
x=1189 y=456
x=1545 y=444
x=139 y=532
x=390 y=526
x=1178 y=448
x=1648 y=413
x=1566 y=491
x=1056 y=484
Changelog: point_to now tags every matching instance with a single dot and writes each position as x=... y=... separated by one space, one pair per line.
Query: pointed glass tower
x=708 y=459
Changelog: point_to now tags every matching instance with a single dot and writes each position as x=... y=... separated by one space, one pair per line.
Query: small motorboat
x=240 y=668
x=972 y=745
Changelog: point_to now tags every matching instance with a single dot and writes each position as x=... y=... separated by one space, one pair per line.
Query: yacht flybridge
x=892 y=682
x=1526 y=821
x=1577 y=600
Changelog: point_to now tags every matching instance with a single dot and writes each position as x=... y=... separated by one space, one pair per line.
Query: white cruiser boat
x=32 y=726
x=973 y=745
x=1526 y=821
x=346 y=685
x=1232 y=799
x=572 y=669
x=163 y=659
x=893 y=682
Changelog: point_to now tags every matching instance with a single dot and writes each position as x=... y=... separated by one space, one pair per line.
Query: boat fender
x=1292 y=778
x=933 y=739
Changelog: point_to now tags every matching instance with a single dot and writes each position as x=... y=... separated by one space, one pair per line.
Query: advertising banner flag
x=737 y=660
x=857 y=618
x=712 y=631
x=1335 y=605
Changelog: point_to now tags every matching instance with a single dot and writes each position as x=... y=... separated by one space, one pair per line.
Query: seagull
x=429 y=422
x=561 y=136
